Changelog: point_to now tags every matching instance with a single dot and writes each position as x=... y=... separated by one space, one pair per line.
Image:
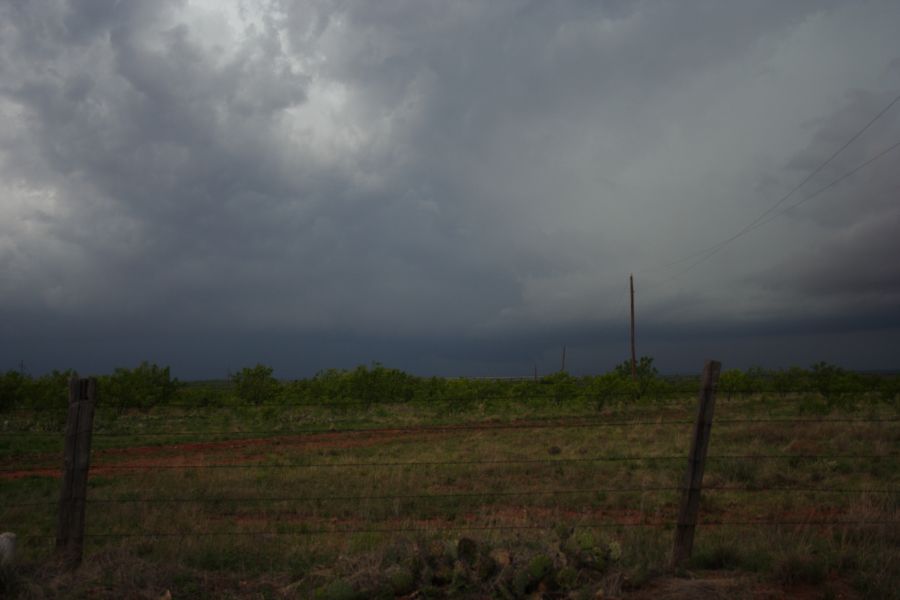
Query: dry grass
x=279 y=530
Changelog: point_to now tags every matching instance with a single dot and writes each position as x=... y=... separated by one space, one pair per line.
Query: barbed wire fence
x=74 y=501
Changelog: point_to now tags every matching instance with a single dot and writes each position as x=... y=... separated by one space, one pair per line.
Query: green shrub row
x=149 y=385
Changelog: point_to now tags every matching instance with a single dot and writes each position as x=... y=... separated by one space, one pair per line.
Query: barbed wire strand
x=391 y=530
x=511 y=461
x=579 y=394
x=484 y=494
x=533 y=424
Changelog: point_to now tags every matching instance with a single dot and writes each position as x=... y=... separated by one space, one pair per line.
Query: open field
x=502 y=497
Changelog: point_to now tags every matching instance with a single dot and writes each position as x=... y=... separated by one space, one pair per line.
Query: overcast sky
x=448 y=187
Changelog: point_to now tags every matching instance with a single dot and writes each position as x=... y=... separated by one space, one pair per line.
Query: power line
x=703 y=255
x=829 y=185
x=761 y=221
x=827 y=161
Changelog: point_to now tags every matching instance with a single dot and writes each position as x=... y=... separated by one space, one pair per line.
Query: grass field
x=496 y=498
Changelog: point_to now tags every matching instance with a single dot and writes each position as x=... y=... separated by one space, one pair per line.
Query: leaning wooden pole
x=693 y=480
x=76 y=462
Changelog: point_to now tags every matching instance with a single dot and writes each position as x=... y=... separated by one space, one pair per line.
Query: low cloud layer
x=447 y=187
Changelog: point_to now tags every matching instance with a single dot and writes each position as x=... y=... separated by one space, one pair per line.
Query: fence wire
x=458 y=528
x=576 y=394
x=484 y=494
x=442 y=463
x=593 y=420
x=533 y=424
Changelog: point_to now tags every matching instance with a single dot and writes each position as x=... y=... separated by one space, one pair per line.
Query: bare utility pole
x=633 y=360
x=563 y=367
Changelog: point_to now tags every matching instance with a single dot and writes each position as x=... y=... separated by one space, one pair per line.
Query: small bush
x=401 y=580
x=143 y=387
x=527 y=578
x=718 y=556
x=9 y=582
x=12 y=388
x=645 y=379
x=339 y=589
x=256 y=385
x=800 y=569
x=23 y=391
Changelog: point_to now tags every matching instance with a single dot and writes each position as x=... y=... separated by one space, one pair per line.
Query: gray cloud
x=435 y=181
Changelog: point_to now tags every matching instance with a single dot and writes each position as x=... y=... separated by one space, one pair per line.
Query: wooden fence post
x=693 y=480
x=76 y=461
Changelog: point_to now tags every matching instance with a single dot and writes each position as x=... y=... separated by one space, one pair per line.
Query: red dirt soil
x=241 y=451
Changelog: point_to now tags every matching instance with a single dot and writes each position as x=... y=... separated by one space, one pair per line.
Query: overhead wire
x=760 y=222
x=794 y=189
x=772 y=212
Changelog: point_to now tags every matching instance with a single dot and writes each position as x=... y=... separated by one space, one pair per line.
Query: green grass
x=291 y=522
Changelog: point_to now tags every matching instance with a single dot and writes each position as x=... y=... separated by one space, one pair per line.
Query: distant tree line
x=143 y=387
x=149 y=385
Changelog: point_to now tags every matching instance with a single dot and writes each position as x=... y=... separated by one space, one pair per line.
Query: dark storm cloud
x=857 y=265
x=432 y=183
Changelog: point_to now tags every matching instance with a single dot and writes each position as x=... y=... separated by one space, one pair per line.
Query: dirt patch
x=249 y=450
x=737 y=586
x=724 y=587
x=241 y=451
x=37 y=472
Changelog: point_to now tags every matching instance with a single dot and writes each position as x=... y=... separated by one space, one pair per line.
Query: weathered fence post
x=76 y=461
x=693 y=480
